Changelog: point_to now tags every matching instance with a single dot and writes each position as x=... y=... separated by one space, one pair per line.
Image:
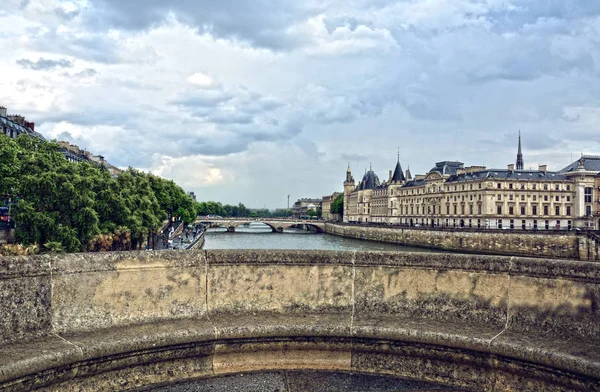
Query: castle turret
x=349 y=186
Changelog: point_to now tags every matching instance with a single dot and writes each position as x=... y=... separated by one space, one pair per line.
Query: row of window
x=588 y=198
x=534 y=186
x=449 y=188
x=547 y=225
x=545 y=198
x=406 y=210
x=534 y=210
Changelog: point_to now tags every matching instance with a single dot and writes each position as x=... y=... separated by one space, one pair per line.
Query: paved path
x=302 y=381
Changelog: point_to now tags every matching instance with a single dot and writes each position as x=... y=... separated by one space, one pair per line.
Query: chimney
x=511 y=167
x=2 y=111
x=543 y=168
x=390 y=177
x=474 y=169
x=460 y=171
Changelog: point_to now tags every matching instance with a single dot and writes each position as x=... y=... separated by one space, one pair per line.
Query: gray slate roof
x=590 y=163
x=412 y=183
x=20 y=128
x=447 y=167
x=369 y=181
x=504 y=174
x=398 y=175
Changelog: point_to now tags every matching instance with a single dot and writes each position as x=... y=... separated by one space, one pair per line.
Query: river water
x=260 y=236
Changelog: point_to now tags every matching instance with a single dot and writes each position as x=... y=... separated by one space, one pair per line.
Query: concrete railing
x=113 y=321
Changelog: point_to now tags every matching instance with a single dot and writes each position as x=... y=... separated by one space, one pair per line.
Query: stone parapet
x=113 y=321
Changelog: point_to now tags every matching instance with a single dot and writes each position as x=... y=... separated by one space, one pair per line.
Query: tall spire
x=520 y=155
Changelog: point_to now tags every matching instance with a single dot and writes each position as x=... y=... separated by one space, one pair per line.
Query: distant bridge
x=277 y=225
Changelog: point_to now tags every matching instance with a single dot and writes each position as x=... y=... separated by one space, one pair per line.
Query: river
x=260 y=236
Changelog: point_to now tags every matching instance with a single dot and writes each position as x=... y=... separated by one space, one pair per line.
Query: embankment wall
x=522 y=243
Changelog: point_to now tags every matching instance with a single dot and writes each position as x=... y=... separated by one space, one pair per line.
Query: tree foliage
x=216 y=208
x=230 y=211
x=76 y=207
x=337 y=205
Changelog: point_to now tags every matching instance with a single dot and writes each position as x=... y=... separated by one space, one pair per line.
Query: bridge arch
x=317 y=228
x=433 y=317
x=273 y=227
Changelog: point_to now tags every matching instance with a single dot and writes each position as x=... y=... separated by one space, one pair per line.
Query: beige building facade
x=455 y=196
x=326 y=206
x=302 y=206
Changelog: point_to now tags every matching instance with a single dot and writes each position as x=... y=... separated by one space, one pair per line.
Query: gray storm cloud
x=304 y=87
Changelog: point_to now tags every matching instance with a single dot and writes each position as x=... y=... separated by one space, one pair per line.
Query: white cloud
x=201 y=80
x=343 y=39
x=193 y=171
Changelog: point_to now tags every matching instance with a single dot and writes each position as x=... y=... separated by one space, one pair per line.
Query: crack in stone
x=507 y=303
x=68 y=342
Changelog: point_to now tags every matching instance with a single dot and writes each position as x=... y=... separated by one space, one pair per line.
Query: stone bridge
x=276 y=225
x=125 y=320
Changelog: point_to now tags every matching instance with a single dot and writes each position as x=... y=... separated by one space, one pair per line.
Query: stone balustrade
x=114 y=321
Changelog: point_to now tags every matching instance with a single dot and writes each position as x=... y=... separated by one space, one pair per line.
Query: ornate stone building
x=452 y=195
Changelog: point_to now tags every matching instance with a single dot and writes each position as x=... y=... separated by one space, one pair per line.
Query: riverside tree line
x=63 y=206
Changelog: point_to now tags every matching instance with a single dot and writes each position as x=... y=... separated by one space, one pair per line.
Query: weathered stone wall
x=25 y=298
x=484 y=322
x=561 y=246
x=589 y=247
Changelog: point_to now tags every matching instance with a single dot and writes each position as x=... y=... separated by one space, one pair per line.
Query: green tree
x=283 y=213
x=71 y=207
x=337 y=205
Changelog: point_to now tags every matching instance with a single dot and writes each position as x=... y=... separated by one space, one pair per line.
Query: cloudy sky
x=249 y=101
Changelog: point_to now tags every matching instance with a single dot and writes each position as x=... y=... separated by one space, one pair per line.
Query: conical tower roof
x=398 y=175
